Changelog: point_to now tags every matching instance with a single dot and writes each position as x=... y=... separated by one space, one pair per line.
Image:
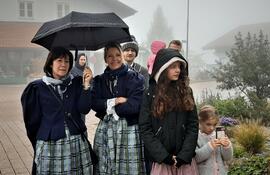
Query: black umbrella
x=82 y=31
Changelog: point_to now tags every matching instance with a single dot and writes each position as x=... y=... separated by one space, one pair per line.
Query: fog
x=208 y=19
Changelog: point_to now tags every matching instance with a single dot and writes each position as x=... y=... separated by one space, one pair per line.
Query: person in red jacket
x=155 y=47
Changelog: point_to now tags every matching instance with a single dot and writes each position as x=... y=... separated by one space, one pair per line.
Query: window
x=62 y=9
x=26 y=9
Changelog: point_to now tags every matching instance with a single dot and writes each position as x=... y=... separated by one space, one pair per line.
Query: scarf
x=112 y=76
x=59 y=85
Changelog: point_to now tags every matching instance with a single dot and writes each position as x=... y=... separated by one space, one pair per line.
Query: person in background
x=78 y=69
x=79 y=66
x=155 y=47
x=211 y=152
x=130 y=52
x=175 y=44
x=51 y=111
x=117 y=95
x=168 y=118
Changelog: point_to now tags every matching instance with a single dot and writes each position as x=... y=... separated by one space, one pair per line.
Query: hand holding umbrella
x=87 y=77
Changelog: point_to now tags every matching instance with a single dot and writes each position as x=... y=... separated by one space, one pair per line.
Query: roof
x=228 y=39
x=119 y=8
x=18 y=34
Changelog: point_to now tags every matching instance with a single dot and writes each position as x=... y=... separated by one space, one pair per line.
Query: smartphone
x=220 y=132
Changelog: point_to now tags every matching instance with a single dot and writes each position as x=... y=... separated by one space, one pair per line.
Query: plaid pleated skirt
x=119 y=148
x=69 y=155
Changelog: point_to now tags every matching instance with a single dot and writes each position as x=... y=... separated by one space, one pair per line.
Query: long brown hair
x=172 y=95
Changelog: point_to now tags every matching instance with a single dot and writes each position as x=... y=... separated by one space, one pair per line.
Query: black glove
x=180 y=162
x=169 y=160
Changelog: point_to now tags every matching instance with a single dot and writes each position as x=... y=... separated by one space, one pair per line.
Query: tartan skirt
x=69 y=155
x=119 y=148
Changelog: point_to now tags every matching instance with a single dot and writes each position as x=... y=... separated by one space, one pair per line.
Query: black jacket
x=176 y=134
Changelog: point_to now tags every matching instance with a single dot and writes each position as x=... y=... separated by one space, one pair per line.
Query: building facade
x=20 y=20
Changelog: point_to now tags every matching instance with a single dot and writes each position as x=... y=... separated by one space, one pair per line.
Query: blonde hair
x=208 y=112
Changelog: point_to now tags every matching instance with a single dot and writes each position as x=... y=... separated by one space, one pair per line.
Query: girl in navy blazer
x=52 y=108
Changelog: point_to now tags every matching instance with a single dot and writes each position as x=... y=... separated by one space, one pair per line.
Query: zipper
x=158 y=131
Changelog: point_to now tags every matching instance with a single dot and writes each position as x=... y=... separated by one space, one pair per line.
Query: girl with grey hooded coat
x=212 y=152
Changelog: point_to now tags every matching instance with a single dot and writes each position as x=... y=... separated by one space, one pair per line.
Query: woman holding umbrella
x=52 y=108
x=116 y=98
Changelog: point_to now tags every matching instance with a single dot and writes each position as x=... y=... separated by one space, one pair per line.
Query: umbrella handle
x=76 y=51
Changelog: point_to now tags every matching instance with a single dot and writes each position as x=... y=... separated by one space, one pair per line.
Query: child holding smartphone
x=213 y=148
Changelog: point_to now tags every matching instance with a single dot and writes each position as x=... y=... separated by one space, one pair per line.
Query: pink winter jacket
x=155 y=47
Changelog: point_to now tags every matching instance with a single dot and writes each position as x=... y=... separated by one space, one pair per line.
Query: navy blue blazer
x=44 y=112
x=130 y=84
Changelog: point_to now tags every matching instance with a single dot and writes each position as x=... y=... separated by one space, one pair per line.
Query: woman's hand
x=87 y=77
x=120 y=100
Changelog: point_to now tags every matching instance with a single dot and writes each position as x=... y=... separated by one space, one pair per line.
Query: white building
x=20 y=20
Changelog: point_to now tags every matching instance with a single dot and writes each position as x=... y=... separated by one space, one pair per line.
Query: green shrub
x=231 y=107
x=238 y=151
x=251 y=136
x=236 y=108
x=254 y=165
x=249 y=107
x=260 y=108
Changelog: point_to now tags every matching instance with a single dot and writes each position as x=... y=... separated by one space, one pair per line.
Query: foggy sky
x=209 y=19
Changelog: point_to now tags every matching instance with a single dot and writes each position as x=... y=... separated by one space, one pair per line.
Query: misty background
x=208 y=21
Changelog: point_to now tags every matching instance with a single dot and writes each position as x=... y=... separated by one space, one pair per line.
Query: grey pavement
x=16 y=153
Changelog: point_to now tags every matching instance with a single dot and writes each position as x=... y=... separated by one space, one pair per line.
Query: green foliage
x=238 y=151
x=251 y=136
x=254 y=165
x=260 y=107
x=232 y=107
x=236 y=108
x=248 y=68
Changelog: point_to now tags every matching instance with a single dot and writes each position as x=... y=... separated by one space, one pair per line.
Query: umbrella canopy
x=82 y=31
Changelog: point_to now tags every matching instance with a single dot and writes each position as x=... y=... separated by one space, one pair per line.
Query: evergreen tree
x=248 y=68
x=159 y=29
